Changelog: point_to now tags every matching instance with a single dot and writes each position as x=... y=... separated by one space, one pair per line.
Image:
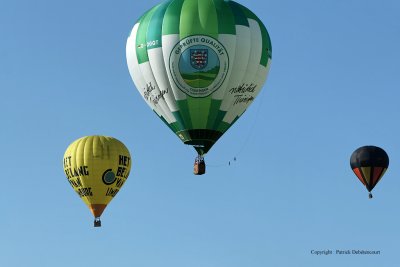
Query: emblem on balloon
x=199 y=58
x=198 y=65
x=108 y=177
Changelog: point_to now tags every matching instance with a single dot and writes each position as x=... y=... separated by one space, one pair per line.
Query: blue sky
x=333 y=86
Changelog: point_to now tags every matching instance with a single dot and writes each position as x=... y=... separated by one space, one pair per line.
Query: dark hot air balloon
x=369 y=163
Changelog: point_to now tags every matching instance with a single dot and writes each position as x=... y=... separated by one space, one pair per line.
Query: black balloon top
x=369 y=156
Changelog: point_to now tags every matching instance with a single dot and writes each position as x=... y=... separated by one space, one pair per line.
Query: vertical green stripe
x=198 y=17
x=179 y=120
x=213 y=114
x=141 y=46
x=172 y=17
x=218 y=119
x=199 y=109
x=240 y=18
x=226 y=20
x=266 y=41
x=223 y=127
x=247 y=12
x=184 y=110
x=155 y=25
x=174 y=127
x=267 y=47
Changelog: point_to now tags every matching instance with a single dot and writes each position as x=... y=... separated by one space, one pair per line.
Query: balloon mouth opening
x=201 y=139
x=97 y=209
x=201 y=149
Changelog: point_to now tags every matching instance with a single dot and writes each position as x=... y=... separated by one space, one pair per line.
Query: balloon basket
x=199 y=166
x=370 y=196
x=97 y=222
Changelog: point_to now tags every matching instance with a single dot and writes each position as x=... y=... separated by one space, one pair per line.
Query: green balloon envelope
x=199 y=64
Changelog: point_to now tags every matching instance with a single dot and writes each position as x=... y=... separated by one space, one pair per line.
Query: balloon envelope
x=369 y=163
x=97 y=167
x=199 y=64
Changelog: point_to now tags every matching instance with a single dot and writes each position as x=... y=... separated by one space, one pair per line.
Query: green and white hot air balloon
x=199 y=64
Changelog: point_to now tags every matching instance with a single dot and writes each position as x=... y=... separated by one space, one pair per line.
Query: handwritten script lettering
x=240 y=93
x=147 y=90
x=242 y=99
x=147 y=93
x=244 y=88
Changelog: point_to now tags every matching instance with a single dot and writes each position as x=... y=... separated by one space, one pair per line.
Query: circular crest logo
x=199 y=65
x=108 y=177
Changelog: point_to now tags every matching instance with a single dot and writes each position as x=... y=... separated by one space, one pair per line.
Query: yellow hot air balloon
x=97 y=167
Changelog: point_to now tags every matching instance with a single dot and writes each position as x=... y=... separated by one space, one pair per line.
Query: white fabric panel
x=245 y=97
x=259 y=79
x=153 y=92
x=229 y=42
x=134 y=69
x=169 y=41
x=156 y=60
x=255 y=52
x=238 y=64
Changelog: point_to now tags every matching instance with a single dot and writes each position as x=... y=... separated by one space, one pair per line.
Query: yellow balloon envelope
x=97 y=167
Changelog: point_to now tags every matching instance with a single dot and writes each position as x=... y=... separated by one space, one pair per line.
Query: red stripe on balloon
x=359 y=175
